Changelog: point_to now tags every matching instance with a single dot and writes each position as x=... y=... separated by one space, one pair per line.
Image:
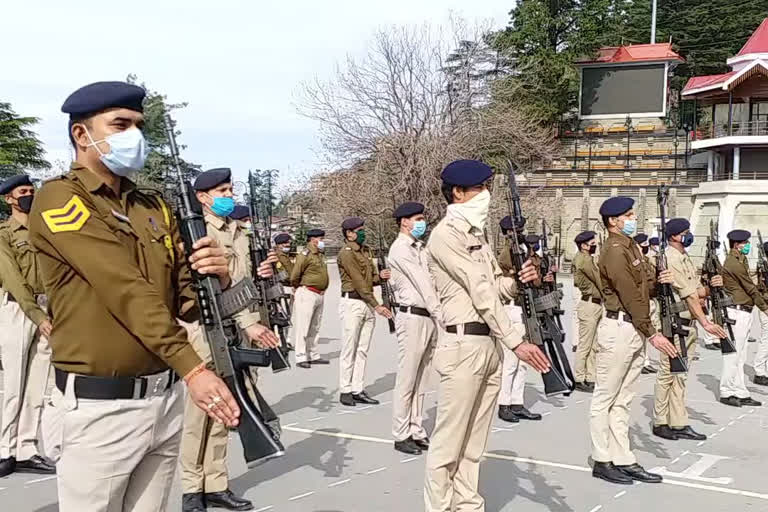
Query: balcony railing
x=737 y=129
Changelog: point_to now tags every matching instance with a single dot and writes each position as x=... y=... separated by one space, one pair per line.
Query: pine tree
x=20 y=149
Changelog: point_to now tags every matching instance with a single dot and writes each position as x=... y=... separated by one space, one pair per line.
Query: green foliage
x=20 y=149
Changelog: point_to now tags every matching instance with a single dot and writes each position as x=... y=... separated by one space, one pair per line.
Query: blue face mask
x=629 y=227
x=687 y=239
x=746 y=248
x=223 y=206
x=419 y=228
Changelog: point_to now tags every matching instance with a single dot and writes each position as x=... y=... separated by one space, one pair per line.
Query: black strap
x=109 y=388
x=414 y=310
x=351 y=295
x=593 y=300
x=743 y=307
x=473 y=328
x=614 y=315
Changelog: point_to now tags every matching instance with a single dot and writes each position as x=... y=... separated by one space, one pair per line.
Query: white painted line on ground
x=596 y=508
x=583 y=469
x=390 y=401
x=290 y=424
x=741 y=417
x=346 y=412
x=315 y=419
x=731 y=423
x=721 y=429
x=310 y=493
x=753 y=410
x=619 y=495
x=371 y=472
x=340 y=482
x=409 y=459
x=712 y=436
x=580 y=401
x=701 y=442
x=264 y=509
x=364 y=408
x=547 y=413
x=686 y=452
x=2 y=488
x=676 y=459
x=38 y=480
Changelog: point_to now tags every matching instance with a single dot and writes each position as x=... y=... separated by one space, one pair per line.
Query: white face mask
x=321 y=245
x=127 y=151
x=474 y=211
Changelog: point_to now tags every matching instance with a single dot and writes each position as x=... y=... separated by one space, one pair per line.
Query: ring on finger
x=211 y=405
x=216 y=399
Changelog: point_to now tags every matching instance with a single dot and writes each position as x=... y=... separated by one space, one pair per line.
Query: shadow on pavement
x=316 y=397
x=500 y=484
x=325 y=454
x=711 y=383
x=53 y=507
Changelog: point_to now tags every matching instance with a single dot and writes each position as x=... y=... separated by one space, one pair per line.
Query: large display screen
x=616 y=90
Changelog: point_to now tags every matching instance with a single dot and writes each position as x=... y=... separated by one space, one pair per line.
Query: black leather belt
x=117 y=388
x=593 y=300
x=414 y=310
x=351 y=295
x=743 y=307
x=474 y=328
x=616 y=315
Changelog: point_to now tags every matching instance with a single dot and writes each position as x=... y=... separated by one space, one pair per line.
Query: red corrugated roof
x=758 y=42
x=633 y=53
x=697 y=82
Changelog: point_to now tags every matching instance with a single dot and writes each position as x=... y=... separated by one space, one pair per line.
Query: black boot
x=608 y=472
x=37 y=465
x=506 y=414
x=193 y=502
x=524 y=414
x=583 y=387
x=7 y=466
x=227 y=499
x=760 y=380
x=407 y=446
x=749 y=401
x=363 y=398
x=637 y=472
x=422 y=443
x=733 y=401
x=687 y=432
x=665 y=432
x=712 y=346
x=346 y=399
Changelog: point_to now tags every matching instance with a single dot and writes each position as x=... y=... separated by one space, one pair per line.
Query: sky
x=238 y=63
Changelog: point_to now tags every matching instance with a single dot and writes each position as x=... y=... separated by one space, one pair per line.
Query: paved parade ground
x=341 y=459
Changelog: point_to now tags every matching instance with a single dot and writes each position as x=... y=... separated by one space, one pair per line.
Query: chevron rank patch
x=69 y=217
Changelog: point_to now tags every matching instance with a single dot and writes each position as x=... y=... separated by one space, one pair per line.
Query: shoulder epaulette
x=305 y=252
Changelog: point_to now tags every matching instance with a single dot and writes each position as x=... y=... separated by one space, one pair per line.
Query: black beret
x=282 y=238
x=506 y=224
x=615 y=206
x=532 y=239
x=408 y=209
x=98 y=96
x=14 y=181
x=466 y=173
x=240 y=212
x=213 y=178
x=739 y=235
x=352 y=223
x=677 y=226
x=315 y=232
x=654 y=240
x=584 y=236
x=641 y=238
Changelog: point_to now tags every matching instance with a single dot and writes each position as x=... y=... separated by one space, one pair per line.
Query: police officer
x=761 y=357
x=309 y=277
x=621 y=334
x=670 y=415
x=513 y=371
x=586 y=277
x=25 y=326
x=242 y=214
x=738 y=284
x=204 y=476
x=284 y=263
x=468 y=282
x=115 y=281
x=357 y=306
x=417 y=324
x=650 y=267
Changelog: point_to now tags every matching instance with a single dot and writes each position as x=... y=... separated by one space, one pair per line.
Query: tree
x=158 y=165
x=20 y=149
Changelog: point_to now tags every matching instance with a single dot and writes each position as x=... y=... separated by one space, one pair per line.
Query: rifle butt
x=391 y=323
x=260 y=442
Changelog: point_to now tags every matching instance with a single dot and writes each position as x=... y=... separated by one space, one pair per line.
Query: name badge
x=22 y=243
x=635 y=263
x=121 y=217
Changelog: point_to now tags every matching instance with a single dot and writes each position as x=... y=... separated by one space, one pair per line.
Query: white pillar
x=736 y=162
x=710 y=165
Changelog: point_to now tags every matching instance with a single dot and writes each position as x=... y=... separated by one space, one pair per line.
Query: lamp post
x=628 y=124
x=676 y=143
x=590 y=142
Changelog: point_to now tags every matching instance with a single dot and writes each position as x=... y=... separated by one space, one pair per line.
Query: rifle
x=538 y=311
x=270 y=308
x=672 y=324
x=259 y=426
x=387 y=295
x=718 y=299
x=762 y=263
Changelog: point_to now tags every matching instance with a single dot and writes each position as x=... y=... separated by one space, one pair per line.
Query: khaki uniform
x=416 y=332
x=115 y=282
x=619 y=357
x=309 y=277
x=469 y=284
x=284 y=267
x=738 y=284
x=26 y=354
x=649 y=352
x=586 y=277
x=358 y=277
x=670 y=390
x=761 y=357
x=513 y=370
x=211 y=475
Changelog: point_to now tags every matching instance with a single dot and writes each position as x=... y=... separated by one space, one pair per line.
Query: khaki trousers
x=358 y=321
x=670 y=390
x=416 y=337
x=589 y=315
x=307 y=316
x=648 y=349
x=618 y=362
x=118 y=455
x=26 y=371
x=732 y=382
x=470 y=377
x=211 y=475
x=761 y=358
x=513 y=370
